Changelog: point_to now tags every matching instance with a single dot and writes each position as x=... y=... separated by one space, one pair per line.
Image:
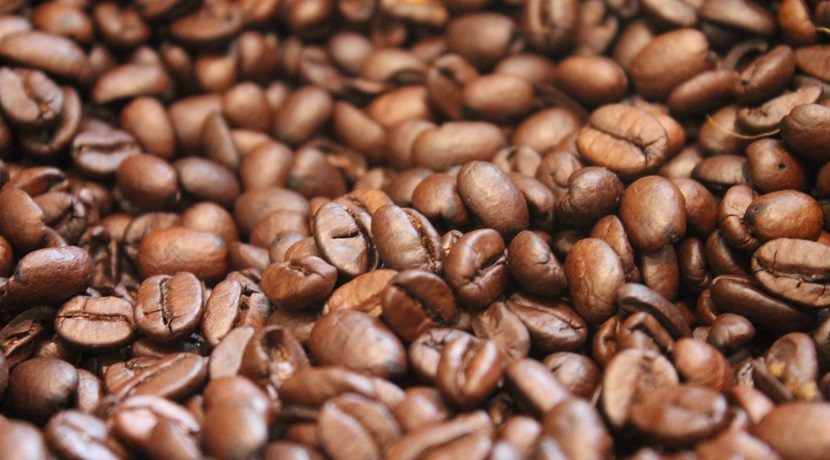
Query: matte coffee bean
x=778 y=430
x=534 y=385
x=456 y=143
x=96 y=323
x=578 y=429
x=668 y=60
x=76 y=434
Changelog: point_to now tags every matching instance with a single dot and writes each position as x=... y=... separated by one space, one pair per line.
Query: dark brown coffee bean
x=40 y=387
x=533 y=265
x=630 y=376
x=552 y=326
x=624 y=139
x=344 y=236
x=468 y=370
x=698 y=413
x=491 y=197
x=299 y=283
x=415 y=301
x=466 y=36
x=652 y=210
x=467 y=435
x=146 y=119
x=476 y=268
x=95 y=323
x=771 y=167
x=359 y=342
x=405 y=239
x=767 y=117
x=593 y=192
x=738 y=295
x=765 y=76
x=233 y=431
x=498 y=97
x=134 y=418
x=610 y=229
x=168 y=308
x=175 y=376
x=632 y=298
x=578 y=373
x=594 y=273
x=148 y=182
x=74 y=434
x=793 y=269
x=302 y=114
x=437 y=198
x=178 y=249
x=206 y=180
x=803 y=130
x=784 y=214
x=169 y=441
x=132 y=80
x=668 y=60
x=607 y=83
x=702 y=93
x=425 y=352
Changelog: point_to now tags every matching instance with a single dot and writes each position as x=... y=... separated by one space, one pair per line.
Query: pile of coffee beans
x=415 y=229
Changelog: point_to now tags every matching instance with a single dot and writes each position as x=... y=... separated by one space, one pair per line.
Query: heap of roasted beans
x=415 y=229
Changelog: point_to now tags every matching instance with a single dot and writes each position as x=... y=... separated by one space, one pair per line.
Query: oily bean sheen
x=491 y=197
x=416 y=301
x=653 y=213
x=594 y=272
x=626 y=140
x=476 y=268
x=299 y=283
x=405 y=239
x=179 y=249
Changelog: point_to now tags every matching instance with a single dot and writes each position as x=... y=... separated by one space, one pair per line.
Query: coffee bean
x=553 y=326
x=803 y=130
x=505 y=328
x=298 y=284
x=534 y=385
x=168 y=308
x=468 y=370
x=475 y=268
x=594 y=273
x=701 y=364
x=344 y=237
x=358 y=332
x=699 y=412
x=652 y=210
x=23 y=439
x=175 y=376
x=47 y=52
x=133 y=419
x=48 y=276
x=777 y=430
x=232 y=304
x=178 y=249
x=669 y=60
x=629 y=377
x=456 y=143
x=272 y=356
x=76 y=434
x=366 y=425
x=638 y=141
x=96 y=323
x=578 y=429
x=792 y=269
x=415 y=301
x=740 y=296
x=405 y=239
x=41 y=387
x=364 y=293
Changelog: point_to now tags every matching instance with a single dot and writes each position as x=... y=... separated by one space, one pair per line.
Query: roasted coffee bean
x=232 y=304
x=594 y=273
x=638 y=141
x=168 y=308
x=41 y=387
x=668 y=60
x=505 y=328
x=476 y=268
x=632 y=298
x=740 y=296
x=701 y=364
x=299 y=283
x=456 y=143
x=777 y=430
x=803 y=130
x=272 y=356
x=344 y=236
x=366 y=425
x=344 y=336
x=578 y=429
x=468 y=370
x=175 y=376
x=703 y=412
x=74 y=434
x=553 y=326
x=534 y=385
x=22 y=440
x=415 y=301
x=792 y=361
x=134 y=418
x=405 y=239
x=653 y=212
x=577 y=373
x=148 y=182
x=96 y=323
x=793 y=269
x=784 y=214
x=47 y=276
x=178 y=249
x=630 y=376
x=467 y=435
x=534 y=266
x=364 y=293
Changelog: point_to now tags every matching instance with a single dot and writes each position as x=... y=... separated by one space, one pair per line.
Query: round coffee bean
x=168 y=308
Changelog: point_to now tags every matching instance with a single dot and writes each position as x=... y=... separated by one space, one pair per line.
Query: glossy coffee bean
x=168 y=308
x=96 y=323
